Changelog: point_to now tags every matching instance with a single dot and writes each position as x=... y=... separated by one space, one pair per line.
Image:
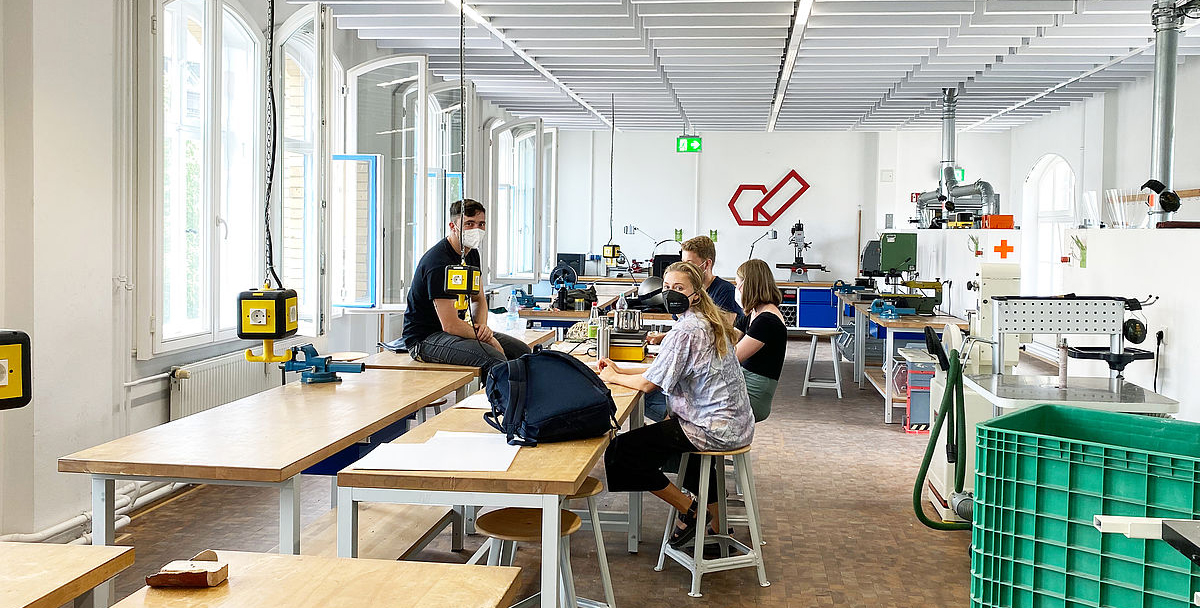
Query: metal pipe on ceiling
x=1167 y=21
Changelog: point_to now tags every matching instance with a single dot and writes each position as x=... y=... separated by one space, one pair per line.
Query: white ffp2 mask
x=472 y=238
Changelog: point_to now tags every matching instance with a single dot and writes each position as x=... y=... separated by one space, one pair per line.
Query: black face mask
x=676 y=303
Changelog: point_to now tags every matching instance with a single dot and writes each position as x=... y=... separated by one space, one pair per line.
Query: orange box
x=998 y=222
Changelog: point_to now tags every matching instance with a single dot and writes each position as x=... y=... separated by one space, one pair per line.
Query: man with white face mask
x=435 y=331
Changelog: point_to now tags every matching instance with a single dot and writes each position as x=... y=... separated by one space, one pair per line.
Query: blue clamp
x=316 y=369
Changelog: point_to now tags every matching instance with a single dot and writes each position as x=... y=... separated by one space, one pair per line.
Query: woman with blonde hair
x=763 y=342
x=698 y=371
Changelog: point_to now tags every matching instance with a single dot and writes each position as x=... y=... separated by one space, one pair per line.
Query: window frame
x=497 y=129
x=150 y=340
x=408 y=254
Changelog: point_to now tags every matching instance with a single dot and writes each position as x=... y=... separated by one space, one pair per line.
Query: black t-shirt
x=725 y=296
x=769 y=329
x=429 y=284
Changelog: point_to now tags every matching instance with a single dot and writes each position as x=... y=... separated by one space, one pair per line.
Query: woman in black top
x=764 y=334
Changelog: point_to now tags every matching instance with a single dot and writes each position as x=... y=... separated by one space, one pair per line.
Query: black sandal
x=681 y=536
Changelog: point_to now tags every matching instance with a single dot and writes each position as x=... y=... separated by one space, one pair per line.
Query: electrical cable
x=272 y=144
x=612 y=145
x=462 y=150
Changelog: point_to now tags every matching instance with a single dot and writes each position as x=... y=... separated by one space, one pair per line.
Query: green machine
x=892 y=255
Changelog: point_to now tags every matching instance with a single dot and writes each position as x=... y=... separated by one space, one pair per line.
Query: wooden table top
x=304 y=581
x=389 y=360
x=273 y=435
x=44 y=575
x=549 y=468
x=918 y=321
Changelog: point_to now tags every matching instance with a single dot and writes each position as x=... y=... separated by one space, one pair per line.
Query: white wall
x=659 y=190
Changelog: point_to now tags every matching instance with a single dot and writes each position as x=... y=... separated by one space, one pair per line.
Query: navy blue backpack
x=548 y=396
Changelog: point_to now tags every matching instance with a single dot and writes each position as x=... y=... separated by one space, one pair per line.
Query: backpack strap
x=518 y=371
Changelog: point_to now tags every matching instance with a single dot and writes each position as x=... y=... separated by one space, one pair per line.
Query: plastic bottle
x=622 y=304
x=512 y=318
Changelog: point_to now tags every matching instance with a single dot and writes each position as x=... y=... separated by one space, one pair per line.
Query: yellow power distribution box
x=462 y=281
x=16 y=379
x=268 y=314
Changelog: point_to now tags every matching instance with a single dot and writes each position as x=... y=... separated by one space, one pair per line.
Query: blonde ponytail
x=724 y=336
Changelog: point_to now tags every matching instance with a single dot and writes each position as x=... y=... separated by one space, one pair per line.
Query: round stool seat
x=823 y=333
x=733 y=452
x=591 y=487
x=522 y=525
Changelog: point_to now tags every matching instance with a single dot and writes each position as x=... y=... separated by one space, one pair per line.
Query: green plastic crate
x=1043 y=472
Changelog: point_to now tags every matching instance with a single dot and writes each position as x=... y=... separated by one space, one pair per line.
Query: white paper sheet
x=625 y=365
x=445 y=451
x=478 y=401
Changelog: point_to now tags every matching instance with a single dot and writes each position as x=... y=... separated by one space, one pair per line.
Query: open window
x=445 y=172
x=354 y=225
x=516 y=214
x=386 y=110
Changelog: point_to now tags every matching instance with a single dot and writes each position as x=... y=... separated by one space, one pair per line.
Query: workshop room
x=403 y=303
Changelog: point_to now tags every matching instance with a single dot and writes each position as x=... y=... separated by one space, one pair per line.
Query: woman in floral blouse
x=698 y=370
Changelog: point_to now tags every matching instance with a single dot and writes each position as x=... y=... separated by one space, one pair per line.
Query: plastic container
x=512 y=318
x=1042 y=473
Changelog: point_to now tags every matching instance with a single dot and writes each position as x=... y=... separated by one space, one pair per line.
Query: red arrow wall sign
x=769 y=204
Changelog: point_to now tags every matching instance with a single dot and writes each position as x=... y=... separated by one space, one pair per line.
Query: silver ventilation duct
x=978 y=198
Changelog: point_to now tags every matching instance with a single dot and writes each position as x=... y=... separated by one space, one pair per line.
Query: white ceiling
x=721 y=65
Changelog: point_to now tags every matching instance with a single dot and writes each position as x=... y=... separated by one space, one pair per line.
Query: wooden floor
x=835 y=485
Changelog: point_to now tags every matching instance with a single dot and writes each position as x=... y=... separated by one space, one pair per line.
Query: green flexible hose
x=953 y=397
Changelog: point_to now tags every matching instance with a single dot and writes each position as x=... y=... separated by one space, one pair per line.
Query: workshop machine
x=627 y=340
x=976 y=397
x=799 y=268
x=894 y=259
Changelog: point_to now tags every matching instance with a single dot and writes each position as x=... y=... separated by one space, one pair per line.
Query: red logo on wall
x=769 y=205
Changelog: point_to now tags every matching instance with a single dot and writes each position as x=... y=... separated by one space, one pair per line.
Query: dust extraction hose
x=953 y=397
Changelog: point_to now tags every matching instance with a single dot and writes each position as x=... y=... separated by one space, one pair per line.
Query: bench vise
x=315 y=369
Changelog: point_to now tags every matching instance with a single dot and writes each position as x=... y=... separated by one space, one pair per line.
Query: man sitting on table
x=436 y=332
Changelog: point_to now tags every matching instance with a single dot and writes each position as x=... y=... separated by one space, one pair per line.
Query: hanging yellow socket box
x=268 y=314
x=16 y=379
x=611 y=253
x=462 y=280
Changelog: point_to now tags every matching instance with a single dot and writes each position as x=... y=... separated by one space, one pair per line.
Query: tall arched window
x=210 y=155
x=1049 y=198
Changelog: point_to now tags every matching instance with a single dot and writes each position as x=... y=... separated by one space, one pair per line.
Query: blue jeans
x=656 y=405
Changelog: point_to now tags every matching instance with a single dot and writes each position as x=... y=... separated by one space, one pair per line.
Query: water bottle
x=512 y=318
x=621 y=303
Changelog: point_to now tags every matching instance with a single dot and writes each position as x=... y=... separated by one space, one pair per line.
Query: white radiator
x=218 y=381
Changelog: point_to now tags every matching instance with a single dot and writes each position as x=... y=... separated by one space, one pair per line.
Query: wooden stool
x=696 y=563
x=809 y=381
x=590 y=489
x=511 y=525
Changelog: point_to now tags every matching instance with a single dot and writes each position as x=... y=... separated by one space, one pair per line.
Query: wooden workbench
x=539 y=477
x=403 y=361
x=302 y=581
x=265 y=439
x=606 y=297
x=44 y=575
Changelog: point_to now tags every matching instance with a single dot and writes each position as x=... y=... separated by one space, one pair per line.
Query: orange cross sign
x=1004 y=249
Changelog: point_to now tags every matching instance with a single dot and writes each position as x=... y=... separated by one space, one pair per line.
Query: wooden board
x=919 y=322
x=550 y=468
x=273 y=435
x=305 y=581
x=385 y=531
x=401 y=361
x=877 y=379
x=42 y=575
x=404 y=361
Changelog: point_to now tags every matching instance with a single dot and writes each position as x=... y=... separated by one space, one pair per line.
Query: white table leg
x=104 y=496
x=636 y=420
x=333 y=491
x=289 y=516
x=860 y=347
x=887 y=376
x=347 y=523
x=550 y=550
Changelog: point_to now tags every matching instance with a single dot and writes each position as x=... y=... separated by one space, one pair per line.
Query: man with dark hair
x=435 y=331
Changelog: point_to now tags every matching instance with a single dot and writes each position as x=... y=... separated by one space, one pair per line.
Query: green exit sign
x=687 y=144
